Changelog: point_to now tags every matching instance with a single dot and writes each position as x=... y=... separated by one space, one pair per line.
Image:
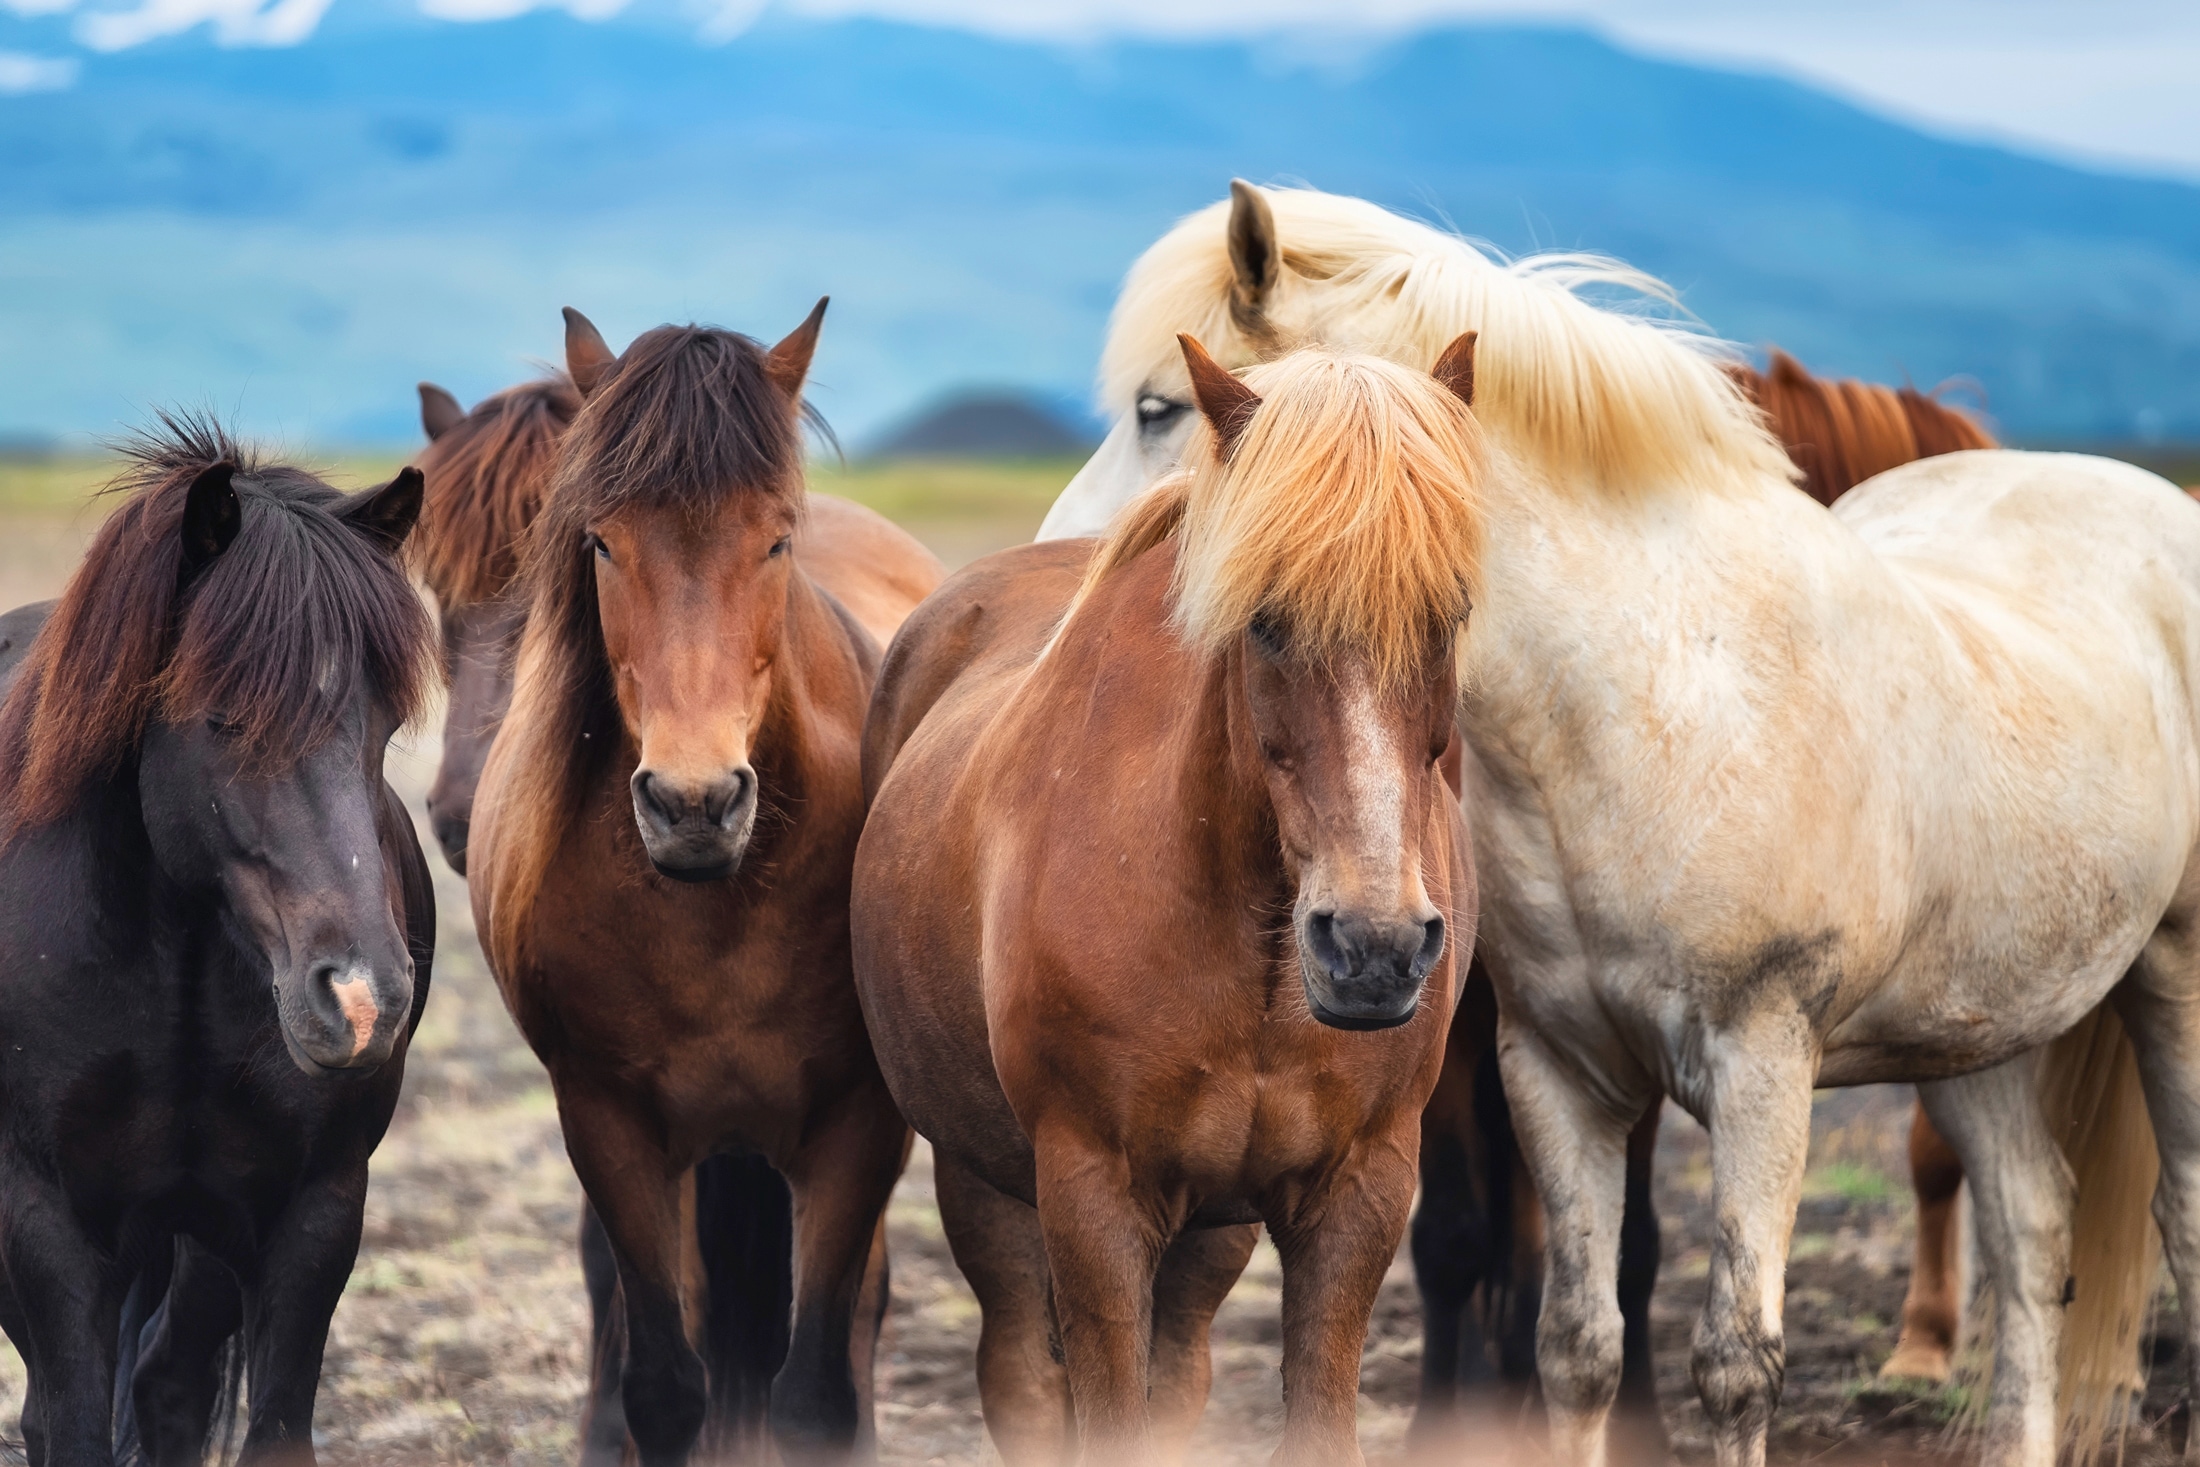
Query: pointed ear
x=211 y=517
x=789 y=363
x=386 y=515
x=1255 y=258
x=439 y=411
x=587 y=360
x=1226 y=403
x=1455 y=368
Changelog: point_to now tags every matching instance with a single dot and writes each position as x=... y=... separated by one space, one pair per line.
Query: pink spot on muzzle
x=355 y=997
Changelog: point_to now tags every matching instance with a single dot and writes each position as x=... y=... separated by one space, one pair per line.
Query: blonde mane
x=1582 y=393
x=1347 y=510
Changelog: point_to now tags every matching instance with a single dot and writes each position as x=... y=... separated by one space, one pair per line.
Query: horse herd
x=1431 y=731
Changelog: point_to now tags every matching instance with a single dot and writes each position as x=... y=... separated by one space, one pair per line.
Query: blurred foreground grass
x=906 y=490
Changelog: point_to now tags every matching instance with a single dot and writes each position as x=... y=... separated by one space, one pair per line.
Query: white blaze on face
x=1373 y=777
x=354 y=991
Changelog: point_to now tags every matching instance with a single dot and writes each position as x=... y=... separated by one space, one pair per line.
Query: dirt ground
x=462 y=1337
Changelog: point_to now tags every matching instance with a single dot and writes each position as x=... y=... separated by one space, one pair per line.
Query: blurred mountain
x=982 y=425
x=297 y=235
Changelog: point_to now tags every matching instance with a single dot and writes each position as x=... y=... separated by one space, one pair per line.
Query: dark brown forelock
x=486 y=479
x=296 y=594
x=689 y=415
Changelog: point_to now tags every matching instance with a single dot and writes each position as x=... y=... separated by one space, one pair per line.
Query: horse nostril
x=1432 y=947
x=729 y=799
x=1321 y=941
x=653 y=799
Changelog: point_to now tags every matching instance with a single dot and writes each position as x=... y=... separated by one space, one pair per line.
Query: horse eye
x=220 y=727
x=1267 y=637
x=779 y=546
x=595 y=543
x=1154 y=410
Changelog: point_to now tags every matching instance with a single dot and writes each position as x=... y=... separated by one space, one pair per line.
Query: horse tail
x=744 y=1231
x=2090 y=1093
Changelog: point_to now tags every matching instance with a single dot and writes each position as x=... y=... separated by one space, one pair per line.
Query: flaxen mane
x=688 y=417
x=1588 y=395
x=486 y=478
x=274 y=636
x=1347 y=510
x=1841 y=431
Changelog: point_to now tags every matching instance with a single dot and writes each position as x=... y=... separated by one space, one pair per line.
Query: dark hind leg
x=1638 y=1430
x=1459 y=1241
x=841 y=1177
x=66 y=1298
x=744 y=1222
x=603 y=1419
x=186 y=1373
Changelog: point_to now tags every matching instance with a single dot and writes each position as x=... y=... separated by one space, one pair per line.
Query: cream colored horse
x=1766 y=797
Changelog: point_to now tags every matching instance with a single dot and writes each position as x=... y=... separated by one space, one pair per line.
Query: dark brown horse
x=1148 y=968
x=487 y=472
x=661 y=852
x=215 y=935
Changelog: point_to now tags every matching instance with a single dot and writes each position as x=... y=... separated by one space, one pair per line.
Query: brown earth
x=462 y=1337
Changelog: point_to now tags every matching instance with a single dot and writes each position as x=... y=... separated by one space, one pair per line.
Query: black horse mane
x=273 y=636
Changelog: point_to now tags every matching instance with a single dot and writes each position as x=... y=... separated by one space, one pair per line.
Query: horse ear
x=439 y=411
x=386 y=515
x=211 y=517
x=1226 y=403
x=789 y=362
x=1255 y=258
x=1455 y=368
x=587 y=360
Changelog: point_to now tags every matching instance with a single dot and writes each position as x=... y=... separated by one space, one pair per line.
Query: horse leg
x=178 y=1385
x=842 y=1178
x=288 y=1300
x=1457 y=1252
x=636 y=1192
x=2022 y=1195
x=1196 y=1275
x=2160 y=1006
x=1103 y=1250
x=1577 y=1150
x=68 y=1299
x=743 y=1276
x=603 y=1420
x=872 y=1303
x=1928 y=1341
x=1758 y=1113
x=1022 y=1387
x=1639 y=1429
x=1336 y=1245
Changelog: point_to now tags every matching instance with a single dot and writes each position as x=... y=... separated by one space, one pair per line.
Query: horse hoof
x=1916 y=1361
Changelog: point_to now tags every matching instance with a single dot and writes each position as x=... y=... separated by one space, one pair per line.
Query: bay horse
x=216 y=927
x=661 y=847
x=1144 y=968
x=487 y=471
x=1711 y=823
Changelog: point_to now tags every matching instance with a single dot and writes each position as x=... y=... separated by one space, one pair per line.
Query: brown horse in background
x=1147 y=969
x=661 y=851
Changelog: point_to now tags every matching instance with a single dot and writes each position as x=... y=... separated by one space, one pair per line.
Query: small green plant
x=1849 y=1180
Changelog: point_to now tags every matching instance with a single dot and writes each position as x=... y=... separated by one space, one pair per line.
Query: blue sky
x=2113 y=82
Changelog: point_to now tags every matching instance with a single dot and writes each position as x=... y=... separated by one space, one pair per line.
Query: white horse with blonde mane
x=1768 y=797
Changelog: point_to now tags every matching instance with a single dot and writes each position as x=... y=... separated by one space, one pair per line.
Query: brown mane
x=486 y=481
x=1841 y=431
x=252 y=637
x=689 y=417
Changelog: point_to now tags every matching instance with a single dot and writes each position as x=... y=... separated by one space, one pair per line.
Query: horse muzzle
x=341 y=1014
x=1366 y=972
x=695 y=830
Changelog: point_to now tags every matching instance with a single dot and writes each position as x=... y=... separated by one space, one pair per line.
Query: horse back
x=872 y=567
x=17 y=628
x=995 y=614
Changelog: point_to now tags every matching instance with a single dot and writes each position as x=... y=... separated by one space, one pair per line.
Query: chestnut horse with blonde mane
x=1605 y=420
x=661 y=847
x=1147 y=970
